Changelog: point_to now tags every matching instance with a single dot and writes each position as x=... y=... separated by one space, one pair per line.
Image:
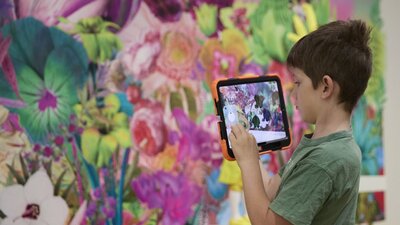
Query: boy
x=319 y=185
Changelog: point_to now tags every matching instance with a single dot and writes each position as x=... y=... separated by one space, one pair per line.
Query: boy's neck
x=330 y=121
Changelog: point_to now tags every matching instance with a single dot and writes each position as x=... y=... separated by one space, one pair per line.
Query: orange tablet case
x=225 y=151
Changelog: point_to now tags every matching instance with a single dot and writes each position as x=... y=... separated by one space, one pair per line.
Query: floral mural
x=106 y=114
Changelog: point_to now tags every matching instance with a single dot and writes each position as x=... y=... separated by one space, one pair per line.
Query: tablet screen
x=257 y=106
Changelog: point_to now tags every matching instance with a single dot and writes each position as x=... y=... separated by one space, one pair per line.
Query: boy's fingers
x=236 y=130
x=232 y=136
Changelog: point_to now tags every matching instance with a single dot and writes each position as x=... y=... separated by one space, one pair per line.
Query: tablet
x=257 y=103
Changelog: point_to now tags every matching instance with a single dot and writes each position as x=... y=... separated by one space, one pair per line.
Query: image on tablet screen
x=257 y=107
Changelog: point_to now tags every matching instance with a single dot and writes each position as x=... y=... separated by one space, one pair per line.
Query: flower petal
x=37 y=222
x=12 y=201
x=38 y=188
x=79 y=215
x=9 y=221
x=54 y=211
x=77 y=11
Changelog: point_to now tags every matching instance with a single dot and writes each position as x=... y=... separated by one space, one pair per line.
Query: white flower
x=33 y=204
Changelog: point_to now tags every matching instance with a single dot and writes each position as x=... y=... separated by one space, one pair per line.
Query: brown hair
x=338 y=49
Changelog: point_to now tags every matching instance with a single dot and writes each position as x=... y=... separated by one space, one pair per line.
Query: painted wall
x=109 y=120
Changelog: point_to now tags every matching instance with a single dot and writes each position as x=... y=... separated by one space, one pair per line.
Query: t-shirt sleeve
x=303 y=194
x=280 y=171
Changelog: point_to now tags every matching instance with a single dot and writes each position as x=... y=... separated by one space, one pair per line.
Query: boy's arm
x=271 y=184
x=257 y=198
x=257 y=201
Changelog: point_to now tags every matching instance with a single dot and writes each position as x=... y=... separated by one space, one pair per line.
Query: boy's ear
x=328 y=86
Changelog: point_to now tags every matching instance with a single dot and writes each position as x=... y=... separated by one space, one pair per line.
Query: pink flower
x=175 y=195
x=140 y=57
x=49 y=12
x=342 y=8
x=128 y=218
x=147 y=126
x=195 y=143
x=178 y=55
x=178 y=43
x=210 y=124
x=223 y=66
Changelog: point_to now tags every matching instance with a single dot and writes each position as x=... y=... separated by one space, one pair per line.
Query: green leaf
x=30 y=84
x=47 y=167
x=58 y=183
x=176 y=100
x=35 y=164
x=61 y=39
x=91 y=45
x=107 y=43
x=132 y=171
x=322 y=11
x=6 y=90
x=24 y=168
x=274 y=36
x=63 y=20
x=20 y=180
x=66 y=192
x=191 y=100
x=2 y=215
x=30 y=42
x=62 y=69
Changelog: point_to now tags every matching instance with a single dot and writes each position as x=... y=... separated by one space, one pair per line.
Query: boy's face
x=306 y=98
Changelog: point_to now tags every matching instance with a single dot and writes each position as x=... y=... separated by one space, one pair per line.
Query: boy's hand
x=244 y=145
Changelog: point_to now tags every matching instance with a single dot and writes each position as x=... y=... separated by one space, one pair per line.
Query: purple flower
x=219 y=3
x=36 y=148
x=108 y=212
x=91 y=209
x=195 y=142
x=48 y=151
x=167 y=10
x=175 y=195
x=6 y=12
x=111 y=202
x=71 y=128
x=96 y=193
x=251 y=68
x=59 y=140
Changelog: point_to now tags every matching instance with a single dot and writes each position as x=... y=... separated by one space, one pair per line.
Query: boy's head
x=339 y=50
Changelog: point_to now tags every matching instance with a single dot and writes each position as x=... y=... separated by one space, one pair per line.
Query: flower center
x=48 y=100
x=32 y=211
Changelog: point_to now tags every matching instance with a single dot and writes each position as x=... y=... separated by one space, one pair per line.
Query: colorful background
x=112 y=100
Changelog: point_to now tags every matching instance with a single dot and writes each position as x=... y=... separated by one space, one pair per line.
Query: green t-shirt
x=320 y=182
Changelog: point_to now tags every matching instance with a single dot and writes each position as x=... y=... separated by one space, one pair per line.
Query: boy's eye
x=297 y=83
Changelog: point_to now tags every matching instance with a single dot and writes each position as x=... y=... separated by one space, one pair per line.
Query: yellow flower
x=222 y=57
x=303 y=28
x=105 y=132
x=166 y=159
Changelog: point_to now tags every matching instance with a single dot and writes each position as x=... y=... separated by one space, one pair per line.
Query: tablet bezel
x=265 y=147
